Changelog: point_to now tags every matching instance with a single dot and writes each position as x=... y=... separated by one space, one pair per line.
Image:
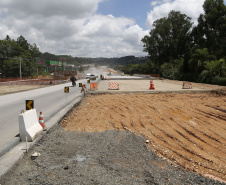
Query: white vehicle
x=92 y=77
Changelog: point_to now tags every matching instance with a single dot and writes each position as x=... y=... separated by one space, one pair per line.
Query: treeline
x=101 y=61
x=179 y=50
x=16 y=53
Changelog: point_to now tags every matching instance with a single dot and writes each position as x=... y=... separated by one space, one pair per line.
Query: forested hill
x=120 y=61
x=98 y=61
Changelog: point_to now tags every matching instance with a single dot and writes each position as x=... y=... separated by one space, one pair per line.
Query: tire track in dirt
x=193 y=133
x=188 y=130
x=176 y=144
x=191 y=151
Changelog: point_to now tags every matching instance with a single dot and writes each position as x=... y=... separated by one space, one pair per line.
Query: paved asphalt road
x=49 y=100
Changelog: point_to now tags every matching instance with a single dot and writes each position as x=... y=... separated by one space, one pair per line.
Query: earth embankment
x=186 y=129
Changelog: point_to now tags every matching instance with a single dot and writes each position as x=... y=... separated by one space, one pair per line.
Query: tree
x=214 y=72
x=34 y=50
x=170 y=38
x=23 y=42
x=196 y=63
x=210 y=32
x=12 y=51
x=172 y=70
x=7 y=38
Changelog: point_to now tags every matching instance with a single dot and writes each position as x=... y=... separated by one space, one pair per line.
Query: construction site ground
x=128 y=137
x=163 y=85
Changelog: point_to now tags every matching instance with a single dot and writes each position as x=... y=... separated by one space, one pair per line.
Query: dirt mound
x=186 y=129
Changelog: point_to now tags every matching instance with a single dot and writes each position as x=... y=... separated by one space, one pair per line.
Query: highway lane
x=49 y=100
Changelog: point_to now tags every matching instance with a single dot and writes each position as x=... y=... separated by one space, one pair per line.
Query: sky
x=88 y=28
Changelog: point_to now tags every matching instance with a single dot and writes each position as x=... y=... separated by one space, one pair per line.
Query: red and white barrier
x=41 y=120
x=187 y=85
x=113 y=86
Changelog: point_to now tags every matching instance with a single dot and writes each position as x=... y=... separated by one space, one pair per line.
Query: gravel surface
x=110 y=157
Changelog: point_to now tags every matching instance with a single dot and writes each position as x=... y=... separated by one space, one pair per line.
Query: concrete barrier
x=29 y=126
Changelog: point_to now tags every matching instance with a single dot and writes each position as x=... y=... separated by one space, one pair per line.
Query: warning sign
x=93 y=86
x=66 y=89
x=29 y=104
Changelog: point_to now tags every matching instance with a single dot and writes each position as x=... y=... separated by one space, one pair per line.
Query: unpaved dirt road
x=186 y=129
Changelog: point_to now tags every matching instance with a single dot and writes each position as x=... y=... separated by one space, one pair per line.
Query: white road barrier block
x=29 y=126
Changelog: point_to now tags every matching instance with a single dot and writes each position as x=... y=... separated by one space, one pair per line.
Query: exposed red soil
x=186 y=129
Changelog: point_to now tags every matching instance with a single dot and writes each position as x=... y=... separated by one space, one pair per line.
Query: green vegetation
x=179 y=51
x=12 y=53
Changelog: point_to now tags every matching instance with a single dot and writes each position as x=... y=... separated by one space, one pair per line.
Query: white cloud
x=192 y=8
x=47 y=8
x=70 y=27
x=73 y=27
x=154 y=3
x=109 y=36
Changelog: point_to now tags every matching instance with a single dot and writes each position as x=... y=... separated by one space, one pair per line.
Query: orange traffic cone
x=41 y=121
x=152 y=85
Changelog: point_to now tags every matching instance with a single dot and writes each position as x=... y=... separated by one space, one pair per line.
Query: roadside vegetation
x=16 y=52
x=179 y=50
x=176 y=49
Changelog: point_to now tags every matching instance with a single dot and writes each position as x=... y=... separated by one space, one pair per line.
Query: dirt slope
x=186 y=129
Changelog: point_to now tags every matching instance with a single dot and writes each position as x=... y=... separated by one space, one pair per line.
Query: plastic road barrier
x=29 y=125
x=187 y=85
x=113 y=86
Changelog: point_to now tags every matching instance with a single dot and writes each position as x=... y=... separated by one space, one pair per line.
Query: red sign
x=41 y=62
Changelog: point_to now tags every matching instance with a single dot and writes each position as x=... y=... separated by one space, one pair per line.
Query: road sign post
x=66 y=90
x=29 y=104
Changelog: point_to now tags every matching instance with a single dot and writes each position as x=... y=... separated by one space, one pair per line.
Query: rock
x=66 y=168
x=35 y=155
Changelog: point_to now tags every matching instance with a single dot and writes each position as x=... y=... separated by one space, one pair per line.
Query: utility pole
x=20 y=70
x=36 y=65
